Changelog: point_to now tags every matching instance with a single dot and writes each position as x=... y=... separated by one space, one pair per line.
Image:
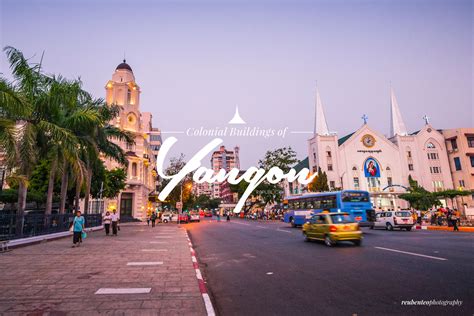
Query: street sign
x=179 y=205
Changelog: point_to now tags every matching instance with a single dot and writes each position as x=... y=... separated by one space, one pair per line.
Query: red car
x=207 y=214
x=184 y=218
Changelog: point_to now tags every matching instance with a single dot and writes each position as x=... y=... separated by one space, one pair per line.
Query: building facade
x=460 y=148
x=367 y=160
x=124 y=91
x=224 y=159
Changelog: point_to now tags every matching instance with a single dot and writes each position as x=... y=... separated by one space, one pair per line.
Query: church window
x=329 y=167
x=328 y=153
x=410 y=167
x=354 y=168
x=389 y=180
x=461 y=183
x=356 y=183
x=332 y=184
x=409 y=154
x=457 y=163
x=430 y=145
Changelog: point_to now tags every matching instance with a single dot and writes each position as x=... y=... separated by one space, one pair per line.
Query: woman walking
x=107 y=221
x=78 y=226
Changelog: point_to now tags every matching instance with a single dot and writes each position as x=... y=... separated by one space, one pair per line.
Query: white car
x=169 y=217
x=394 y=219
x=194 y=217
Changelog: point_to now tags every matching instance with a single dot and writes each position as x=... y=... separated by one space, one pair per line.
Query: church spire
x=397 y=126
x=320 y=124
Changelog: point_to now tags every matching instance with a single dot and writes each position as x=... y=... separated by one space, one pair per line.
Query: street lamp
x=180 y=209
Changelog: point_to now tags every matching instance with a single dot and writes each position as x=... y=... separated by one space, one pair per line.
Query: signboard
x=371 y=168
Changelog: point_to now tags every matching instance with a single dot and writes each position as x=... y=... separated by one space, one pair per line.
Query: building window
x=435 y=169
x=454 y=144
x=389 y=181
x=461 y=183
x=329 y=167
x=430 y=146
x=314 y=156
x=472 y=161
x=409 y=154
x=433 y=156
x=129 y=146
x=457 y=163
x=155 y=137
x=438 y=185
x=129 y=96
x=134 y=169
x=410 y=167
x=356 y=183
x=470 y=141
x=328 y=153
x=332 y=184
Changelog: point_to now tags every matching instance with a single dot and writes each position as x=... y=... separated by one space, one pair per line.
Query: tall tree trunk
x=88 y=189
x=64 y=185
x=49 y=195
x=22 y=191
x=78 y=195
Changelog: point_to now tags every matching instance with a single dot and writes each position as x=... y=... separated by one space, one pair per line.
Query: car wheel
x=389 y=226
x=292 y=222
x=357 y=242
x=328 y=241
x=372 y=227
x=408 y=228
x=306 y=238
x=165 y=221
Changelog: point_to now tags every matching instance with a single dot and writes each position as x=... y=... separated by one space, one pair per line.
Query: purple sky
x=196 y=60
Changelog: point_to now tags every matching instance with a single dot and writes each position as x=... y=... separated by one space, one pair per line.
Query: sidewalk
x=154 y=263
x=446 y=228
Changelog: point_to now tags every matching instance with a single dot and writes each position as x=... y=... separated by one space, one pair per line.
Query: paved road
x=265 y=268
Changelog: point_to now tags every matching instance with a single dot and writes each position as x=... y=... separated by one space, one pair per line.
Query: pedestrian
x=115 y=222
x=228 y=217
x=153 y=219
x=78 y=225
x=107 y=221
x=148 y=218
x=440 y=217
x=454 y=220
x=448 y=217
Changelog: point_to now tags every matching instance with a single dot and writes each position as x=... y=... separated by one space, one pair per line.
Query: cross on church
x=427 y=119
x=365 y=118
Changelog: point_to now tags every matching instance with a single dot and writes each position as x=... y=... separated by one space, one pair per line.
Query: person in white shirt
x=107 y=219
x=115 y=221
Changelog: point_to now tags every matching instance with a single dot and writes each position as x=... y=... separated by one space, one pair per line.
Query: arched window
x=134 y=169
x=388 y=169
x=430 y=145
x=354 y=168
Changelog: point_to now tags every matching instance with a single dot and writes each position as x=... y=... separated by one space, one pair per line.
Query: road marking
x=198 y=274
x=412 y=253
x=193 y=259
x=163 y=237
x=145 y=263
x=285 y=231
x=123 y=290
x=261 y=227
x=269 y=273
x=241 y=223
x=207 y=302
x=158 y=242
x=154 y=250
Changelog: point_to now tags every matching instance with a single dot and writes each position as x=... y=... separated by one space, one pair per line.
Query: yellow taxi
x=332 y=227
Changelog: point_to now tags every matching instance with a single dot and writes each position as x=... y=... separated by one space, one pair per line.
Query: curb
x=202 y=285
x=447 y=229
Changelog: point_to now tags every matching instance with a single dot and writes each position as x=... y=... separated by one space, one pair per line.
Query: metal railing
x=13 y=226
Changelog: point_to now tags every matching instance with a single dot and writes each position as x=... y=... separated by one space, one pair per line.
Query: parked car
x=207 y=214
x=194 y=217
x=167 y=217
x=332 y=228
x=394 y=219
x=184 y=218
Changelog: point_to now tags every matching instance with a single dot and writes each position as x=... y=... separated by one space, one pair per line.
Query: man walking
x=115 y=222
x=454 y=220
x=78 y=226
x=107 y=221
x=153 y=219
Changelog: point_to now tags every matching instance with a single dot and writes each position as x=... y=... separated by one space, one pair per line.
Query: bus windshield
x=355 y=197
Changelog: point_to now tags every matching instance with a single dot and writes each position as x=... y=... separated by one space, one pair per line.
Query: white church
x=368 y=160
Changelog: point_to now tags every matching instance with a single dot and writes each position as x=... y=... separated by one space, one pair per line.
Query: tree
x=176 y=164
x=418 y=197
x=320 y=182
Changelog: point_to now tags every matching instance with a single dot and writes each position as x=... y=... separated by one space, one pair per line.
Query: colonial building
x=224 y=159
x=460 y=145
x=367 y=160
x=123 y=90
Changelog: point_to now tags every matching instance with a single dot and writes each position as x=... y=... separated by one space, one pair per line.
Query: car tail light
x=332 y=228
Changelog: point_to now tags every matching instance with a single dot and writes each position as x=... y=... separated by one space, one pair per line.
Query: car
x=167 y=217
x=194 y=217
x=389 y=220
x=332 y=228
x=207 y=214
x=184 y=218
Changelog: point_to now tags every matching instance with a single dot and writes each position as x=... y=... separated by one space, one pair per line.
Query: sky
x=195 y=61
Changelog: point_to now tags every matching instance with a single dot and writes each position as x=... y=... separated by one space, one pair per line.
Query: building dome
x=123 y=66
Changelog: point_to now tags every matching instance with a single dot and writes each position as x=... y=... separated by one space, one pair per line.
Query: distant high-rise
x=224 y=159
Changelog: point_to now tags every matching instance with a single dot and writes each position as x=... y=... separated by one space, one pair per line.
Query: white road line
x=285 y=231
x=163 y=237
x=412 y=253
x=145 y=263
x=158 y=242
x=241 y=223
x=154 y=250
x=261 y=227
x=207 y=302
x=123 y=290
x=198 y=274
